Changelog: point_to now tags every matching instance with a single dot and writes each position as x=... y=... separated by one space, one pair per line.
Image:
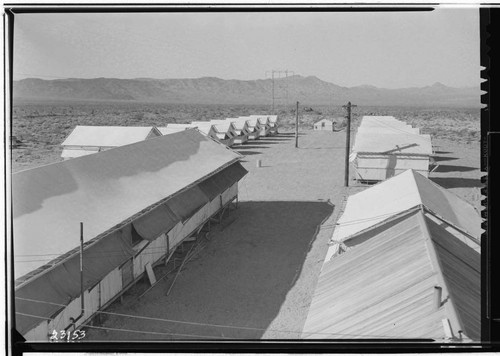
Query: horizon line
x=44 y=77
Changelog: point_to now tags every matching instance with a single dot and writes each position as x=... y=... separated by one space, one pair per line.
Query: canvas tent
x=324 y=125
x=254 y=127
x=134 y=202
x=393 y=243
x=385 y=287
x=264 y=124
x=84 y=140
x=397 y=196
x=241 y=129
x=384 y=148
x=273 y=122
x=207 y=129
x=173 y=128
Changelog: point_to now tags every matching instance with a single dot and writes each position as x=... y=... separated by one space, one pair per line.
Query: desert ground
x=256 y=273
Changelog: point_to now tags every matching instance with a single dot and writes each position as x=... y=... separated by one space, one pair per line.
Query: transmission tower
x=279 y=90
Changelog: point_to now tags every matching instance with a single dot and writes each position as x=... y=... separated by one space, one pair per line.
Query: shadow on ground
x=240 y=280
x=249 y=153
x=457 y=182
x=248 y=147
x=452 y=168
x=443 y=158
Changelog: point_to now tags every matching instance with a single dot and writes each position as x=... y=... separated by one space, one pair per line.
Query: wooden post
x=347 y=142
x=81 y=268
x=297 y=126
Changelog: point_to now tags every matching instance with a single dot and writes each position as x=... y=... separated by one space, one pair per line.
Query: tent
x=254 y=127
x=264 y=123
x=84 y=140
x=128 y=198
x=241 y=129
x=384 y=148
x=409 y=279
x=393 y=243
x=173 y=128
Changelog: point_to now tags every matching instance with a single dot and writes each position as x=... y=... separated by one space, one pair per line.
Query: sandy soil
x=257 y=274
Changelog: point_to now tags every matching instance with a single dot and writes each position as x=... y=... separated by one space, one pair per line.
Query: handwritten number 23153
x=67 y=335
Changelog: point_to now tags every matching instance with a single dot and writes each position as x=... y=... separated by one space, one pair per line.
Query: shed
x=84 y=140
x=136 y=203
x=381 y=152
x=324 y=125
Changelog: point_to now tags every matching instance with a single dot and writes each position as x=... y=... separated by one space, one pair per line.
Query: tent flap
x=157 y=221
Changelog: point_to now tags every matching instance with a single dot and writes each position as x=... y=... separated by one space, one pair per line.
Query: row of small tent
x=384 y=147
x=84 y=140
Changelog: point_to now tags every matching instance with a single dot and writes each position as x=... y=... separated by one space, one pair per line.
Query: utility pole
x=297 y=126
x=348 y=107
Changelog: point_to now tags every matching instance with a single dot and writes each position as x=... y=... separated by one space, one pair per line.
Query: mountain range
x=210 y=90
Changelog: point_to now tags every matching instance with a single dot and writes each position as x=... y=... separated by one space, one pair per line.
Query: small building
x=241 y=128
x=85 y=140
x=324 y=125
x=381 y=152
x=404 y=262
x=137 y=203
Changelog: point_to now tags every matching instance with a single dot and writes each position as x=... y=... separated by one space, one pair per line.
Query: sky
x=384 y=49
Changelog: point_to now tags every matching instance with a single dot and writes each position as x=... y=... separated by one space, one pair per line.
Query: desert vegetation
x=42 y=126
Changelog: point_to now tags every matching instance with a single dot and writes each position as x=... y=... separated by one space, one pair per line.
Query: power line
x=194 y=323
x=130 y=330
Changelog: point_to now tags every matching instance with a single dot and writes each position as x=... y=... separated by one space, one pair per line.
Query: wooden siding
x=382 y=288
x=461 y=269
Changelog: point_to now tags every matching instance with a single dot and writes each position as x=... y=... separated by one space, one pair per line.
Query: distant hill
x=210 y=90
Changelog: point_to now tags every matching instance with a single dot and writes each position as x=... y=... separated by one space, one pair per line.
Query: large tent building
x=85 y=140
x=136 y=203
x=404 y=262
x=386 y=147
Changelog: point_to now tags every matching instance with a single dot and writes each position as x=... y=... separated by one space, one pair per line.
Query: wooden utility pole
x=348 y=107
x=297 y=126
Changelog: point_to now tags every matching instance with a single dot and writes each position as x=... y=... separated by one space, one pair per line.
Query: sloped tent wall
x=58 y=287
x=62 y=284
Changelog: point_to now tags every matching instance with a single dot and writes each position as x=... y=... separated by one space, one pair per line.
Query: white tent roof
x=102 y=190
x=398 y=194
x=238 y=124
x=173 y=128
x=391 y=143
x=108 y=136
x=324 y=120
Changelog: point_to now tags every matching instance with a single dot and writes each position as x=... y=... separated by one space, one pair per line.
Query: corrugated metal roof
x=108 y=136
x=102 y=190
x=383 y=287
x=398 y=194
